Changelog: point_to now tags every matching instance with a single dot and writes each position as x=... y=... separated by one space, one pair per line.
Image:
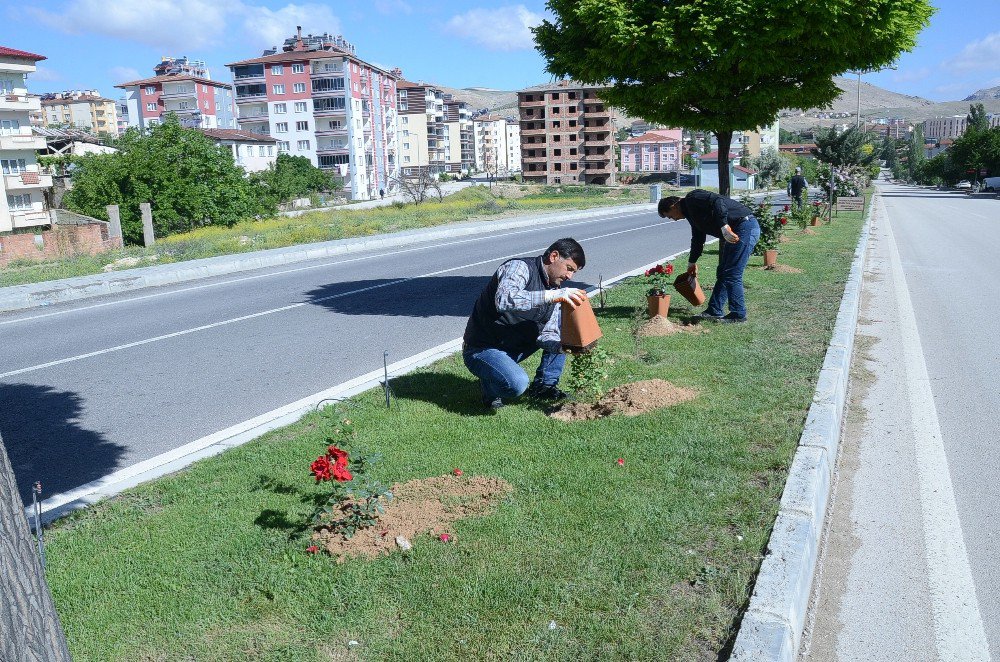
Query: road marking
x=241 y=433
x=325 y=264
x=272 y=311
x=958 y=625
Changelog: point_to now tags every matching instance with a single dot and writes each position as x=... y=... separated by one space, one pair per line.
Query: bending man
x=734 y=224
x=517 y=314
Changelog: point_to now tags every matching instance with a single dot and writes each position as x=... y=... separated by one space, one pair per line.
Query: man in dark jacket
x=517 y=314
x=734 y=224
x=796 y=185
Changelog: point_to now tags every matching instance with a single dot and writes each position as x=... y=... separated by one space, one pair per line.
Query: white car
x=964 y=184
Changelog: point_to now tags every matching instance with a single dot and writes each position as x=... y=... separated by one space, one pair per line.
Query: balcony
x=27 y=180
x=332 y=150
x=250 y=78
x=320 y=72
x=29 y=218
x=19 y=100
x=183 y=93
x=328 y=112
x=247 y=97
x=259 y=116
x=23 y=139
x=537 y=103
x=341 y=131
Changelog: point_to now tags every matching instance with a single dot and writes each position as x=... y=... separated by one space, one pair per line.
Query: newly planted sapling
x=353 y=504
x=587 y=373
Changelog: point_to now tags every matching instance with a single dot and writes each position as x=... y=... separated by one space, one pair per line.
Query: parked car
x=964 y=184
x=991 y=184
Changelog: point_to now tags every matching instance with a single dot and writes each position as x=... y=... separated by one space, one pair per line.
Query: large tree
x=29 y=624
x=723 y=65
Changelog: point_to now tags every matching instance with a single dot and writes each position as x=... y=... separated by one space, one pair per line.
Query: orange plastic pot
x=690 y=289
x=580 y=330
x=815 y=221
x=658 y=304
x=770 y=258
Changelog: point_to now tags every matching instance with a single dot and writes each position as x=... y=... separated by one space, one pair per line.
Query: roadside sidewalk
x=893 y=580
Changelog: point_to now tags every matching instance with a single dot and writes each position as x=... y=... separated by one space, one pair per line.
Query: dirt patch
x=425 y=505
x=129 y=262
x=785 y=240
x=808 y=231
x=628 y=399
x=661 y=326
x=783 y=269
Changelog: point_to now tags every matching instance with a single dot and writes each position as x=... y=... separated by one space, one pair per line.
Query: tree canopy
x=723 y=65
x=292 y=177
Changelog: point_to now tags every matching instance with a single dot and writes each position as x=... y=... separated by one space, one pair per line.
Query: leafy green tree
x=723 y=65
x=915 y=154
x=851 y=147
x=188 y=180
x=977 y=120
x=292 y=177
x=771 y=167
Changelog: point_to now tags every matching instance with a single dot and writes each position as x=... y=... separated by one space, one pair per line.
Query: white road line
x=322 y=265
x=243 y=318
x=241 y=433
x=958 y=625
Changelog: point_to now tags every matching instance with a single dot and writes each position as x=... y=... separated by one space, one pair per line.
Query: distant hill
x=983 y=95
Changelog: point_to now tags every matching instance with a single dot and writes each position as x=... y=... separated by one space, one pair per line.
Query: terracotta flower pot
x=770 y=258
x=815 y=221
x=690 y=289
x=579 y=330
x=658 y=304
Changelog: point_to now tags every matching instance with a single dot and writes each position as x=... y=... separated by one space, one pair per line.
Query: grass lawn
x=475 y=203
x=650 y=560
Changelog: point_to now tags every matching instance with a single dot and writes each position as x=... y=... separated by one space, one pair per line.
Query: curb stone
x=20 y=297
x=773 y=623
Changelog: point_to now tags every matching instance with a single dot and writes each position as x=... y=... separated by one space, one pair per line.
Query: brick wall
x=61 y=241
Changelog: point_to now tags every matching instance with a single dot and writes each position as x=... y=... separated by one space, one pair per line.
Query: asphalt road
x=96 y=386
x=909 y=567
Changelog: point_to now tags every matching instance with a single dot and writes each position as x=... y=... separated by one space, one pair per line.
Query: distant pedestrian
x=381 y=193
x=796 y=185
x=734 y=223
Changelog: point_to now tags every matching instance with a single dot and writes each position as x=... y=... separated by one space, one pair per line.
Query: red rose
x=785 y=208
x=784 y=221
x=338 y=455
x=322 y=468
x=456 y=472
x=341 y=473
x=312 y=549
x=444 y=537
x=649 y=272
x=621 y=462
x=670 y=269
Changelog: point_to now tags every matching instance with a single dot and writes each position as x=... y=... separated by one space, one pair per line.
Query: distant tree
x=977 y=119
x=189 y=181
x=723 y=65
x=790 y=137
x=29 y=624
x=291 y=177
x=851 y=147
x=915 y=154
x=771 y=166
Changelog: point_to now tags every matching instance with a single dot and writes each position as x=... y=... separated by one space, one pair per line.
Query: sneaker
x=732 y=318
x=705 y=315
x=546 y=392
x=493 y=406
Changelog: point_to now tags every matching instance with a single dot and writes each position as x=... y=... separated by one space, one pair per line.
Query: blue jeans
x=733 y=260
x=501 y=377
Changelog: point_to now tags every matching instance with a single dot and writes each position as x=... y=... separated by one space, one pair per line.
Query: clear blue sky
x=97 y=43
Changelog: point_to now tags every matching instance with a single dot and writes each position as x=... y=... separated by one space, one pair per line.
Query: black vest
x=513 y=330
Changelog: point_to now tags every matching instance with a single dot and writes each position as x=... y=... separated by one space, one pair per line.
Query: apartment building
x=180 y=86
x=567 y=135
x=22 y=204
x=251 y=151
x=653 y=151
x=319 y=100
x=81 y=109
x=757 y=140
x=458 y=136
x=952 y=127
x=497 y=143
x=513 y=130
x=421 y=129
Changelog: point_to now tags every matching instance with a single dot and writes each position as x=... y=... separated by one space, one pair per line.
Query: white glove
x=729 y=235
x=568 y=295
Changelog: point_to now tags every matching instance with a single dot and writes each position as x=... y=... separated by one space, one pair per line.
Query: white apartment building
x=497 y=144
x=22 y=204
x=513 y=146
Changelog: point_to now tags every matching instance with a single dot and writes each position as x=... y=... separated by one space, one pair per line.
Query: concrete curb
x=174 y=460
x=772 y=626
x=20 y=297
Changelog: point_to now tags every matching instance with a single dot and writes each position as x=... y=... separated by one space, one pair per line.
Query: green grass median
x=585 y=558
x=474 y=203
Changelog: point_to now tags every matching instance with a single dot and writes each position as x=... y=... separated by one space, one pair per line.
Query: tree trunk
x=725 y=140
x=29 y=624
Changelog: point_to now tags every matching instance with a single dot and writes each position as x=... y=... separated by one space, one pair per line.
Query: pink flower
x=444 y=537
x=312 y=549
x=621 y=462
x=456 y=472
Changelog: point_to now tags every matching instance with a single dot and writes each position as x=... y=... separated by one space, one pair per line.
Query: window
x=335 y=124
x=184 y=105
x=151 y=107
x=298 y=87
x=283 y=146
x=406 y=133
x=9 y=127
x=555 y=110
x=406 y=159
x=12 y=166
x=277 y=70
x=555 y=124
x=150 y=91
x=558 y=167
x=280 y=108
x=406 y=120
x=572 y=123
x=557 y=152
x=328 y=105
x=302 y=126
x=406 y=145
x=281 y=127
x=327 y=84
x=270 y=150
x=572 y=166
x=555 y=138
x=298 y=68
x=303 y=145
x=554 y=96
x=278 y=89
x=19 y=201
x=260 y=151
x=328 y=161
x=301 y=106
x=206 y=104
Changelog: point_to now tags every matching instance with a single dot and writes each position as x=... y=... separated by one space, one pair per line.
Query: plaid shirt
x=511 y=295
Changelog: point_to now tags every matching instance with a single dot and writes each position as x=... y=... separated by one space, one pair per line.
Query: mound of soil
x=426 y=505
x=784 y=240
x=808 y=231
x=783 y=269
x=628 y=399
x=661 y=326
